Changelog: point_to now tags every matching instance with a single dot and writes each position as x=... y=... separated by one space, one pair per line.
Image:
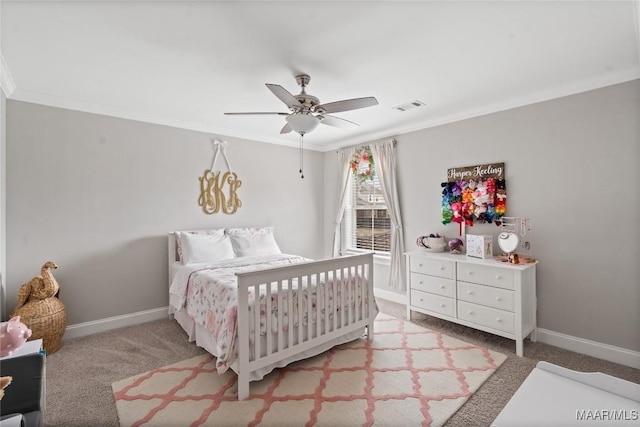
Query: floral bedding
x=208 y=293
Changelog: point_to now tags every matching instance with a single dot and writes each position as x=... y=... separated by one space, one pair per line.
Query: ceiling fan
x=306 y=112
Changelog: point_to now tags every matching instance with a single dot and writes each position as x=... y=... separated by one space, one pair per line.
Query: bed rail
x=341 y=290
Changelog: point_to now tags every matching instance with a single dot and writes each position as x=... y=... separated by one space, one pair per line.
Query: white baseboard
x=579 y=345
x=390 y=296
x=102 y=325
x=590 y=348
x=602 y=351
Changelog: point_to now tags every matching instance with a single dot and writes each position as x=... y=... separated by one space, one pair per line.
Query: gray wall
x=97 y=195
x=572 y=166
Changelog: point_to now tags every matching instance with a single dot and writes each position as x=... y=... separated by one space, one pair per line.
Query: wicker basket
x=41 y=310
x=47 y=319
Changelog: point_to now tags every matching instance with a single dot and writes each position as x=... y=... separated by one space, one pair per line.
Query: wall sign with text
x=474 y=194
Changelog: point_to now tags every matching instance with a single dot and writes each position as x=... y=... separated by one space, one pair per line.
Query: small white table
x=555 y=396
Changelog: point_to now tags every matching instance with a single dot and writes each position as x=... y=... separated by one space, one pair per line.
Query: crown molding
x=572 y=88
x=106 y=110
x=6 y=81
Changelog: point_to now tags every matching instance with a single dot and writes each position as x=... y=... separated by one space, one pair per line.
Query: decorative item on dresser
x=480 y=246
x=432 y=242
x=484 y=294
x=455 y=246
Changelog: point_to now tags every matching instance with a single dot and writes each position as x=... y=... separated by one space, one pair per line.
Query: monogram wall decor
x=218 y=190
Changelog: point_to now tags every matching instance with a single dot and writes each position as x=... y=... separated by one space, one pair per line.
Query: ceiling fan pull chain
x=301 y=157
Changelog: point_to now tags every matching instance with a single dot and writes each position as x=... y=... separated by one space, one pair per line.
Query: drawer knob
x=470 y=312
x=442 y=305
x=499 y=320
x=441 y=286
x=420 y=282
x=420 y=265
x=420 y=300
x=469 y=293
x=498 y=277
x=441 y=268
x=498 y=299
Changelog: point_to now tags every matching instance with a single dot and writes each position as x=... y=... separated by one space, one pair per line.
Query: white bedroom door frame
x=7 y=87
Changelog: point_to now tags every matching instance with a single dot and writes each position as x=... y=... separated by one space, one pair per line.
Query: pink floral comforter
x=208 y=293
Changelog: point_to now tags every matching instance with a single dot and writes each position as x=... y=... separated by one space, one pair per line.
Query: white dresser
x=484 y=294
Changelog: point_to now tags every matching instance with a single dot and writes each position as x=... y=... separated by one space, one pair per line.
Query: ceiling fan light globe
x=302 y=123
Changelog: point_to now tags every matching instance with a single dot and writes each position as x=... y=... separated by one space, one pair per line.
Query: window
x=367 y=225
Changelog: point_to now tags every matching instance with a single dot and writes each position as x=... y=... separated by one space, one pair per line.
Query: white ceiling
x=185 y=63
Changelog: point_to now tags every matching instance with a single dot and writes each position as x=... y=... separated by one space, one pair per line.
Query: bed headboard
x=173 y=248
x=173 y=255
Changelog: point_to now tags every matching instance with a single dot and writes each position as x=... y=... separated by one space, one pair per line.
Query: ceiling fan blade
x=284 y=95
x=263 y=113
x=346 y=105
x=286 y=129
x=337 y=122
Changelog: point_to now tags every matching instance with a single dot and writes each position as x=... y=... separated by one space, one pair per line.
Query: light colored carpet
x=80 y=374
x=407 y=373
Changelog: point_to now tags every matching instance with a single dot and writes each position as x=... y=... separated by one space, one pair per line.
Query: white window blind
x=366 y=218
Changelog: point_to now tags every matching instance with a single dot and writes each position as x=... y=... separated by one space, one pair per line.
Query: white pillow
x=180 y=238
x=205 y=248
x=253 y=241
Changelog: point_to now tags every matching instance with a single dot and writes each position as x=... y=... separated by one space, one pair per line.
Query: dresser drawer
x=434 y=285
x=486 y=295
x=433 y=267
x=486 y=275
x=431 y=302
x=491 y=317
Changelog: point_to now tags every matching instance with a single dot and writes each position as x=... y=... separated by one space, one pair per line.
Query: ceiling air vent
x=409 y=105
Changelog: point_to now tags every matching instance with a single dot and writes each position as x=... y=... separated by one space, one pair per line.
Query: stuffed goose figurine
x=40 y=287
x=41 y=309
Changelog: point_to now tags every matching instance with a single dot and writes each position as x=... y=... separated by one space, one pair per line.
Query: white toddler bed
x=306 y=307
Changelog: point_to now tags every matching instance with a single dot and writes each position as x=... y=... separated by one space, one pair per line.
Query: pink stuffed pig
x=13 y=334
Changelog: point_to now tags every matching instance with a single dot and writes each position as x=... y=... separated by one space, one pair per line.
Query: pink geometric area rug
x=407 y=375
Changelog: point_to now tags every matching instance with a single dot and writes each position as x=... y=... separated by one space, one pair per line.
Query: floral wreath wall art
x=213 y=194
x=362 y=164
x=474 y=194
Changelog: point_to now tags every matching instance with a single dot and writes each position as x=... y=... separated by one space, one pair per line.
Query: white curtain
x=384 y=155
x=344 y=156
